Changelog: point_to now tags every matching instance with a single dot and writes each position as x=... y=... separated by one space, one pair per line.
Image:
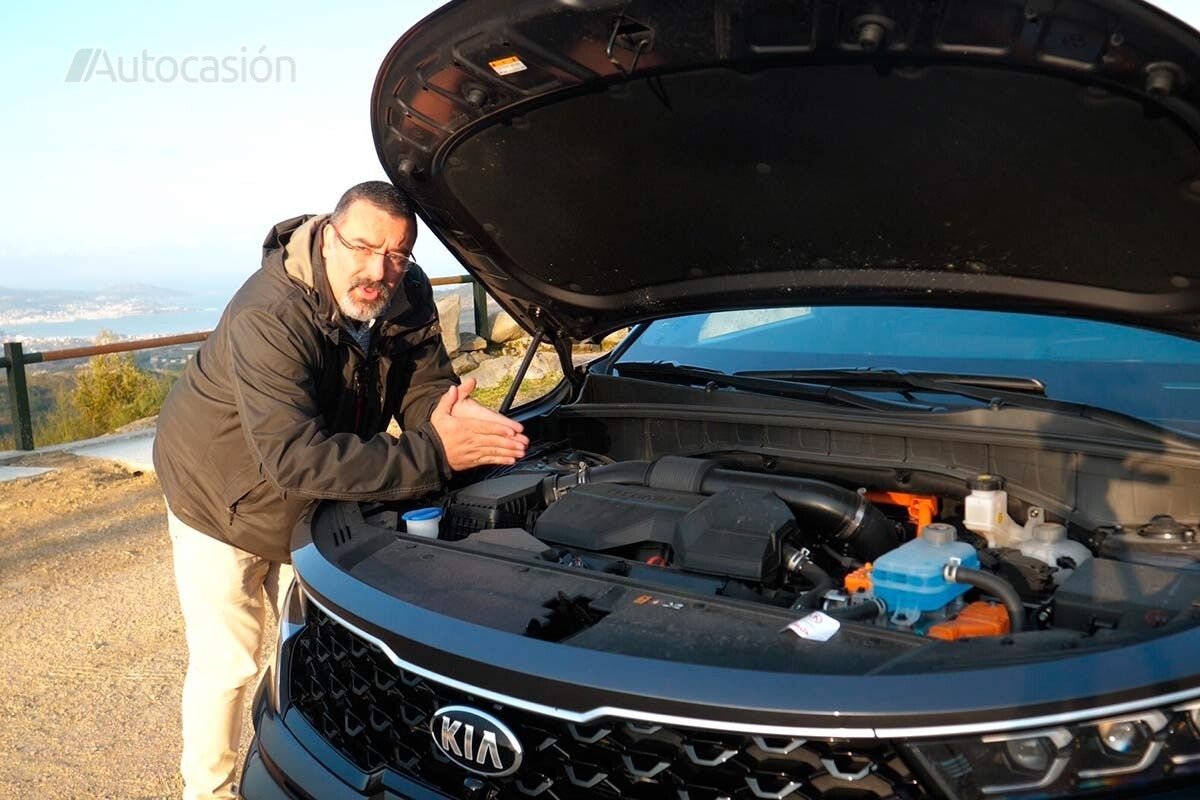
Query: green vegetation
x=530 y=390
x=110 y=392
x=107 y=393
x=45 y=390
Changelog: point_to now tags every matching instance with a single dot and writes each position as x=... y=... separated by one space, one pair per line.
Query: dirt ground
x=92 y=654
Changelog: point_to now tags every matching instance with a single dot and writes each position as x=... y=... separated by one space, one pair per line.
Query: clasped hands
x=472 y=435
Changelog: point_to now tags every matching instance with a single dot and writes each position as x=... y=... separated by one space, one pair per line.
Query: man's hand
x=468 y=408
x=472 y=435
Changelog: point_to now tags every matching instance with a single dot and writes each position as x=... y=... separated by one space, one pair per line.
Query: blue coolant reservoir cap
x=422 y=514
x=424 y=522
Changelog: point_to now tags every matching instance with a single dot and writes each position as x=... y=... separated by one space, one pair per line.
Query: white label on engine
x=816 y=626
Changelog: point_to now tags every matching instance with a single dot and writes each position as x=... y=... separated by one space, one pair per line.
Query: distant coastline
x=56 y=319
x=77 y=321
x=57 y=334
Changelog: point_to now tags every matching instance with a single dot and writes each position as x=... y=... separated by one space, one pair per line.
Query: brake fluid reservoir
x=985 y=512
x=1050 y=544
x=909 y=579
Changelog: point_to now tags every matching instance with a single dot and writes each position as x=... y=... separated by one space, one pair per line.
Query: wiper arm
x=795 y=389
x=823 y=386
x=948 y=382
x=991 y=389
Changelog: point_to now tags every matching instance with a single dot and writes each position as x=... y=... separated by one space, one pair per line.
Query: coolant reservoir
x=985 y=512
x=909 y=579
x=1050 y=543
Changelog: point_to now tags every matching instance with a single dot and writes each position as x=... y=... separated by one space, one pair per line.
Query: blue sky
x=176 y=183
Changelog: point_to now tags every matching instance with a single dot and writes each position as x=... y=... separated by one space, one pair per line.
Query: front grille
x=377 y=715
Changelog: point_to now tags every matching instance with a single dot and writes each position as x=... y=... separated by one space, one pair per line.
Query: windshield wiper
x=869 y=377
x=786 y=387
x=824 y=385
x=995 y=390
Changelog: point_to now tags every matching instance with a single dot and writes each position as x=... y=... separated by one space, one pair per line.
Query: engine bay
x=945 y=565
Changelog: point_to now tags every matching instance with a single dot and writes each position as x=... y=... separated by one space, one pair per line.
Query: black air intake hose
x=820 y=506
x=821 y=582
x=817 y=505
x=868 y=610
x=993 y=585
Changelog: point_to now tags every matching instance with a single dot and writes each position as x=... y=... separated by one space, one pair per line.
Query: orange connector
x=860 y=579
x=977 y=619
x=922 y=508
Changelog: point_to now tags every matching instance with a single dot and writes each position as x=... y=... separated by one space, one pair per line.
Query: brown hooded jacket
x=280 y=406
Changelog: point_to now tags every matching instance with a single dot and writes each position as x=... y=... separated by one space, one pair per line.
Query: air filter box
x=504 y=502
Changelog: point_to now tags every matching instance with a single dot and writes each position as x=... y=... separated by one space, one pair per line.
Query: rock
x=491 y=373
x=449 y=308
x=614 y=339
x=578 y=359
x=517 y=346
x=466 y=362
x=544 y=365
x=470 y=343
x=502 y=327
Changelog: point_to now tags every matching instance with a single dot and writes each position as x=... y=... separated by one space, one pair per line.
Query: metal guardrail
x=16 y=359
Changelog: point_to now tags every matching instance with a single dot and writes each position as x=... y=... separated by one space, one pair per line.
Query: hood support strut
x=521 y=370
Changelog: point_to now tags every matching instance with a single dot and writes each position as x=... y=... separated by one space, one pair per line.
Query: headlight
x=1132 y=750
x=291 y=622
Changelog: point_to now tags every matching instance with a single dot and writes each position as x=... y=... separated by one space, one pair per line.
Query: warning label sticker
x=507 y=66
x=816 y=626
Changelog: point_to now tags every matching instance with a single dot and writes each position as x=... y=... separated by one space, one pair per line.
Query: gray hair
x=380 y=194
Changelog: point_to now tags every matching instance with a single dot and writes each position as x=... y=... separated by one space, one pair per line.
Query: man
x=287 y=402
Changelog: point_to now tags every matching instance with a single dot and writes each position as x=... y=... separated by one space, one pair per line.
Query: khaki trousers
x=224 y=593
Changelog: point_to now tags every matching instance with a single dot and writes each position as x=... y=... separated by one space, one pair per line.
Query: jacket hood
x=598 y=163
x=289 y=246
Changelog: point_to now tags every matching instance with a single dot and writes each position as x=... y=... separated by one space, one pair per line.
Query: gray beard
x=364 y=312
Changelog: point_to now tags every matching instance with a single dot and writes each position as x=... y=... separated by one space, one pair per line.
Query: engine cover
x=735 y=533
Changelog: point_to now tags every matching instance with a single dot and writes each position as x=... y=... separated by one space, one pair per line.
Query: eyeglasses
x=398 y=260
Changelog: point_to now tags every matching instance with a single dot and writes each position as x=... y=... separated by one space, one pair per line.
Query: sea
x=197 y=312
x=201 y=313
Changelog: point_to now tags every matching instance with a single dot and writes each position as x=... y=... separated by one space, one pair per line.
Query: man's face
x=365 y=258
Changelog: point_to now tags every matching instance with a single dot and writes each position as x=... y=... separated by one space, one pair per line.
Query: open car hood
x=598 y=163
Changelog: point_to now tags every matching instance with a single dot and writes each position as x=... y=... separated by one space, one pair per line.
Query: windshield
x=1149 y=375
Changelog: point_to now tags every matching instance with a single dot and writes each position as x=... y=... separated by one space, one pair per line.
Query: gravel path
x=92 y=647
